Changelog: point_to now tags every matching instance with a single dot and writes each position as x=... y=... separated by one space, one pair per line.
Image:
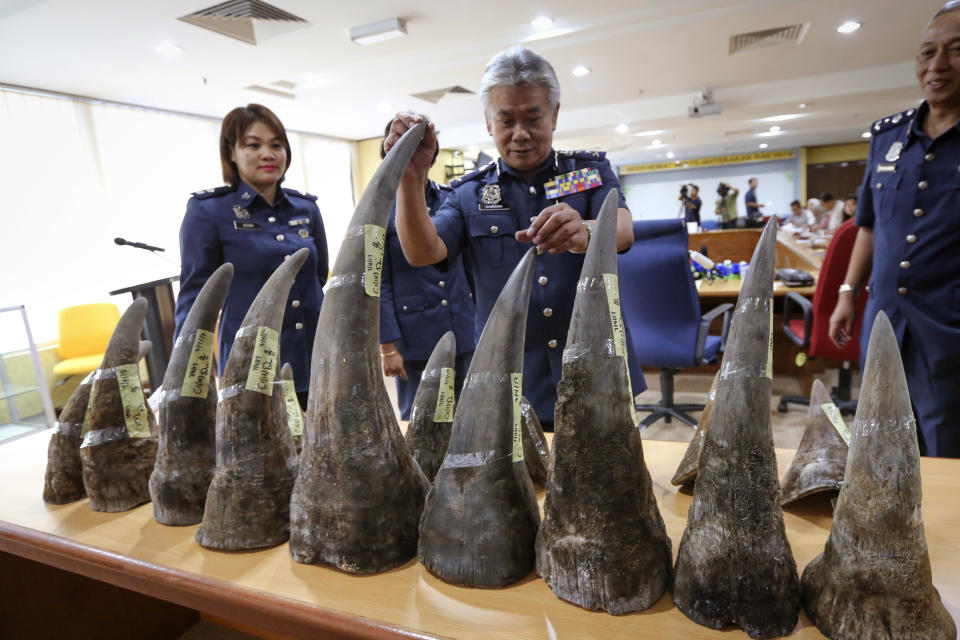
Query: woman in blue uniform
x=255 y=224
x=420 y=304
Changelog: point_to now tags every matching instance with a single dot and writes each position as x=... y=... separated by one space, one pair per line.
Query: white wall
x=654 y=195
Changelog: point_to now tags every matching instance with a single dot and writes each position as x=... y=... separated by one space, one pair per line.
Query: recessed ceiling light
x=621 y=128
x=782 y=118
x=168 y=49
x=866 y=134
x=649 y=134
x=768 y=134
x=848 y=27
x=670 y=154
x=379 y=31
x=802 y=105
x=763 y=145
x=541 y=23
x=580 y=70
x=775 y=128
x=656 y=143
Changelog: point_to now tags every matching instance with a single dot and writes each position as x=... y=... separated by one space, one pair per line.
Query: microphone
x=699 y=258
x=137 y=245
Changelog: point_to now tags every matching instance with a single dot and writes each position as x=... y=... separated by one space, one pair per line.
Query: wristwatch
x=847 y=288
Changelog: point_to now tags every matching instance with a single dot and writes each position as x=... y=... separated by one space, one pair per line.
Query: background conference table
x=267 y=590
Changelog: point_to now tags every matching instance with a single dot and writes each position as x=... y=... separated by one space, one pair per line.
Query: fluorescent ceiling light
x=768 y=134
x=802 y=105
x=656 y=143
x=621 y=128
x=650 y=134
x=782 y=118
x=762 y=145
x=168 y=49
x=379 y=31
x=581 y=70
x=848 y=27
x=670 y=154
x=541 y=23
x=866 y=134
x=775 y=128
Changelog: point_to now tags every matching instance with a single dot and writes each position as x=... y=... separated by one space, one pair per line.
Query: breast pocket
x=884 y=194
x=492 y=238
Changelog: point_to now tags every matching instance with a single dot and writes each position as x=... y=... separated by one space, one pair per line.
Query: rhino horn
x=294 y=412
x=186 y=454
x=248 y=502
x=481 y=517
x=724 y=575
x=687 y=470
x=63 y=479
x=536 y=451
x=432 y=413
x=359 y=493
x=873 y=579
x=603 y=543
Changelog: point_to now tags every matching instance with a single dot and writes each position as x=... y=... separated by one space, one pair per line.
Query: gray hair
x=518 y=66
x=952 y=5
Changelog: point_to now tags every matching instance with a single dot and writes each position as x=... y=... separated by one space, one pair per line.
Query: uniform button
x=547 y=312
x=879 y=185
x=922 y=185
x=272 y=219
x=918 y=213
x=494 y=229
x=929 y=157
x=911 y=238
x=298 y=326
x=552 y=344
x=533 y=190
x=905 y=264
x=542 y=280
x=404 y=307
x=902 y=291
x=295 y=304
x=442 y=284
x=444 y=302
x=279 y=237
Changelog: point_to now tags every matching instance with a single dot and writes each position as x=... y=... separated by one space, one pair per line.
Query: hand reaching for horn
x=423 y=157
x=558 y=228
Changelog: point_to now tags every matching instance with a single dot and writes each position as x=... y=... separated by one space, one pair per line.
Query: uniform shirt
x=420 y=304
x=911 y=200
x=481 y=216
x=236 y=225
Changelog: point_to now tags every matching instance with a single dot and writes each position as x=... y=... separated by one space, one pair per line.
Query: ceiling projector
x=704 y=104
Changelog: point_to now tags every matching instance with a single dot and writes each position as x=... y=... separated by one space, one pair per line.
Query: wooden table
x=267 y=590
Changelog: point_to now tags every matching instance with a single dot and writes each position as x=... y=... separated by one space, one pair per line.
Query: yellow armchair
x=85 y=331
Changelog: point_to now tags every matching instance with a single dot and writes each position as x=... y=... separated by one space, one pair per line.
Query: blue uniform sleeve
x=609 y=181
x=320 y=240
x=389 y=326
x=450 y=224
x=200 y=255
x=864 y=217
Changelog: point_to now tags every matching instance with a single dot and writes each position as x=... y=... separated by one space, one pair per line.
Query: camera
x=723 y=189
x=684 y=192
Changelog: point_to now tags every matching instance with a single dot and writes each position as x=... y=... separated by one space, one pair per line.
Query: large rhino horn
x=873 y=579
x=186 y=454
x=481 y=517
x=359 y=494
x=602 y=544
x=724 y=574
x=63 y=480
x=432 y=415
x=822 y=454
x=687 y=469
x=248 y=502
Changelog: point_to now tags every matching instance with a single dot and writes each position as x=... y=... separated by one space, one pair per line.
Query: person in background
x=692 y=204
x=800 y=217
x=849 y=207
x=727 y=205
x=418 y=305
x=528 y=195
x=753 y=212
x=255 y=224
x=832 y=213
x=908 y=237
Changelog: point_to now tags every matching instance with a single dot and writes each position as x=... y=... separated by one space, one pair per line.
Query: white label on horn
x=294 y=415
x=446 y=399
x=263 y=364
x=516 y=387
x=373 y=244
x=196 y=380
x=833 y=415
x=134 y=404
x=611 y=286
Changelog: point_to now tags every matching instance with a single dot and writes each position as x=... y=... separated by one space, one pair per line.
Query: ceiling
x=649 y=58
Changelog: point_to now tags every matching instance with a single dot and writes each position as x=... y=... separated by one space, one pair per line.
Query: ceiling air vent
x=436 y=95
x=792 y=34
x=248 y=20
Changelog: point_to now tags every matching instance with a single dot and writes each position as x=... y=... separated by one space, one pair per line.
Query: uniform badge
x=572 y=182
x=491 y=194
x=246 y=195
x=304 y=232
x=240 y=212
x=893 y=153
x=897 y=118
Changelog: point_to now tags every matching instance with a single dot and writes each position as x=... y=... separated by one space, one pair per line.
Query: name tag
x=246 y=226
x=886 y=168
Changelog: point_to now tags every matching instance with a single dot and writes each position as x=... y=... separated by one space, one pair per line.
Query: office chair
x=85 y=331
x=662 y=311
x=811 y=331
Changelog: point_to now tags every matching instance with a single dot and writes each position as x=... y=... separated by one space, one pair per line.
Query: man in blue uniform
x=909 y=238
x=420 y=304
x=494 y=212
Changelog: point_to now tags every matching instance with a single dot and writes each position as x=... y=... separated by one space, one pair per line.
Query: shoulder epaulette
x=294 y=192
x=473 y=174
x=897 y=119
x=203 y=194
x=584 y=155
